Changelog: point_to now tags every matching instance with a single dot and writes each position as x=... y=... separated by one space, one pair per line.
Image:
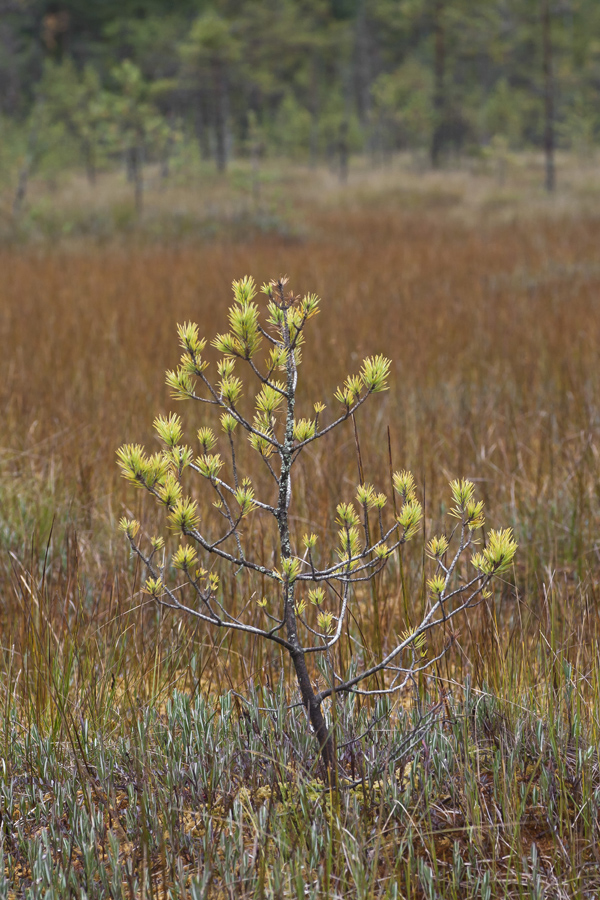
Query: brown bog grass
x=494 y=332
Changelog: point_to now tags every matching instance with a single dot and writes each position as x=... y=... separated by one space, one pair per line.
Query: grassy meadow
x=145 y=756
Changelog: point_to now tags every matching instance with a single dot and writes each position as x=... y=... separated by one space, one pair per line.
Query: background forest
x=87 y=83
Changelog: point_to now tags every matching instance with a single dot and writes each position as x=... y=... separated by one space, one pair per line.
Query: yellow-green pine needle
x=243 y=321
x=346 y=515
x=185 y=557
x=437 y=546
x=225 y=367
x=275 y=315
x=374 y=373
x=245 y=498
x=419 y=641
x=498 y=555
x=244 y=290
x=349 y=543
x=231 y=389
x=404 y=484
x=300 y=606
x=169 y=429
x=206 y=439
x=303 y=430
x=158 y=467
x=474 y=515
x=130 y=527
x=316 y=596
x=227 y=344
x=310 y=541
x=133 y=462
x=181 y=384
x=192 y=365
x=436 y=584
x=153 y=586
x=277 y=358
x=213 y=581
x=350 y=392
x=410 y=517
x=189 y=338
x=210 y=465
x=309 y=306
x=261 y=444
x=184 y=516
x=228 y=423
x=170 y=491
x=365 y=494
x=291 y=568
x=379 y=501
x=325 y=622
x=462 y=493
x=269 y=399
x=382 y=551
x=179 y=458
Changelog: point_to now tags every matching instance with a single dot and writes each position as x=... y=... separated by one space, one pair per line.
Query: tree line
x=308 y=79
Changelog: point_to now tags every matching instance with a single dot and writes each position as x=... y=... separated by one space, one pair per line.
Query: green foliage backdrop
x=321 y=78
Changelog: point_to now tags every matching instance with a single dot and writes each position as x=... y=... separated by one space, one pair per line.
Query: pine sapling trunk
x=311 y=704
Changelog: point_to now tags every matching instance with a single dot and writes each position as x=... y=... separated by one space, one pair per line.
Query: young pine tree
x=309 y=603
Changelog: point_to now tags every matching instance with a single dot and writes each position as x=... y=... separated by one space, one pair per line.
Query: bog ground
x=144 y=756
